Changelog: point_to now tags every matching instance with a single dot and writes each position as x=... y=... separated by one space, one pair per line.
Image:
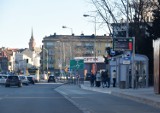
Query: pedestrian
x=108 y=78
x=92 y=79
x=136 y=79
x=104 y=79
x=130 y=78
x=114 y=78
x=140 y=80
x=98 y=79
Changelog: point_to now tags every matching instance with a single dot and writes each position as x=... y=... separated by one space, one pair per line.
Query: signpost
x=77 y=64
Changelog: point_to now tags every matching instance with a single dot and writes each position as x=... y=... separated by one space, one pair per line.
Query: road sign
x=122 y=44
x=127 y=57
x=77 y=64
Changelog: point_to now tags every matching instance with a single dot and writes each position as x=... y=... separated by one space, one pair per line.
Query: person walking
x=108 y=79
x=98 y=79
x=104 y=79
x=130 y=78
x=114 y=78
x=92 y=79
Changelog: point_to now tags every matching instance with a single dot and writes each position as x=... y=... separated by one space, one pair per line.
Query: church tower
x=32 y=42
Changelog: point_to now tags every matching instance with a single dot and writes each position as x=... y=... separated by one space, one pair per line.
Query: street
x=38 y=98
x=64 y=98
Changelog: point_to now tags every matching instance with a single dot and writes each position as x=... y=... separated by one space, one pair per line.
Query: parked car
x=31 y=79
x=3 y=79
x=24 y=79
x=51 y=79
x=13 y=81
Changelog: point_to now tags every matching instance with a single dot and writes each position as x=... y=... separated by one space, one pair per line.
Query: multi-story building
x=57 y=50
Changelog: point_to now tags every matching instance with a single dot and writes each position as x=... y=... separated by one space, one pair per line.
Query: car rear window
x=51 y=77
x=4 y=76
x=29 y=78
x=22 y=77
x=13 y=77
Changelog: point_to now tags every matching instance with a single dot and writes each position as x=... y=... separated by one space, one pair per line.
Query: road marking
x=33 y=97
x=49 y=83
x=77 y=97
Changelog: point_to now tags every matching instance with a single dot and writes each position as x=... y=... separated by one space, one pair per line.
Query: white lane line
x=33 y=97
x=49 y=83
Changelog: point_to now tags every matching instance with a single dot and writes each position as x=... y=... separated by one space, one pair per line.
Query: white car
x=3 y=79
x=24 y=79
x=35 y=77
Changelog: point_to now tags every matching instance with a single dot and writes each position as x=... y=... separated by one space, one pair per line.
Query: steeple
x=32 y=42
x=32 y=34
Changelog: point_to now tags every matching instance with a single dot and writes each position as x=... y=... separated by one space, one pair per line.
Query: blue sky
x=46 y=17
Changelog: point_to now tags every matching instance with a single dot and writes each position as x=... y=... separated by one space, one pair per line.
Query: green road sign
x=77 y=64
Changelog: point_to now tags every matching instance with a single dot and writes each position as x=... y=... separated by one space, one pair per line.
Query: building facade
x=57 y=50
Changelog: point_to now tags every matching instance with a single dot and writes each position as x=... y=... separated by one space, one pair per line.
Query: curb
x=139 y=99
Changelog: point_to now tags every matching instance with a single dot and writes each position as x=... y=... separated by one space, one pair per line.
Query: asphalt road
x=58 y=98
x=95 y=102
x=38 y=98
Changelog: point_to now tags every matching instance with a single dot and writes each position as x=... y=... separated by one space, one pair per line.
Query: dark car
x=31 y=79
x=13 y=81
x=51 y=79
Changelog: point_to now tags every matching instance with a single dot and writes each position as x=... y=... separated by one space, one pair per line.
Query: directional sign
x=77 y=64
x=122 y=44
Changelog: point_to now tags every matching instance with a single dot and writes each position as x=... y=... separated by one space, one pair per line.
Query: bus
x=33 y=71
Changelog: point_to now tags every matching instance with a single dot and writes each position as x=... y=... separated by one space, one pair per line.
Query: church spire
x=32 y=34
x=32 y=42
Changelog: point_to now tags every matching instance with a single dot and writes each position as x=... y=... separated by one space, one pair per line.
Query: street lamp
x=47 y=57
x=68 y=28
x=60 y=54
x=95 y=21
x=69 y=40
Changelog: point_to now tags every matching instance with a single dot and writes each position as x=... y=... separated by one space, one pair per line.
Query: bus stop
x=124 y=76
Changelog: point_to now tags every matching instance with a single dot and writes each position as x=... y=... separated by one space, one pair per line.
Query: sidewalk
x=143 y=95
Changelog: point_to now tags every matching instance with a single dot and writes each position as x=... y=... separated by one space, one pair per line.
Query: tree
x=137 y=11
x=153 y=29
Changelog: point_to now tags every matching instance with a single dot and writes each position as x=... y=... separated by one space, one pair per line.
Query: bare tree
x=112 y=11
x=139 y=16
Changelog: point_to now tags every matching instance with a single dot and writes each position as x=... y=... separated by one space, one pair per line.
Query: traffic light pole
x=133 y=69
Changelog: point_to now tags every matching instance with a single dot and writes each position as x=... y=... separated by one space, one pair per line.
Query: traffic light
x=26 y=60
x=66 y=69
x=105 y=59
x=108 y=49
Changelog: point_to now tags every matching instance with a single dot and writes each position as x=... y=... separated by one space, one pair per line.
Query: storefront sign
x=91 y=59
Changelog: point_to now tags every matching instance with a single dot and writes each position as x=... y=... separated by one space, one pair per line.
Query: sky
x=45 y=17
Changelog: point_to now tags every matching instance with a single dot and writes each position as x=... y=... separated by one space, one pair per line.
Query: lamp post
x=70 y=57
x=60 y=62
x=47 y=57
x=95 y=21
x=68 y=28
